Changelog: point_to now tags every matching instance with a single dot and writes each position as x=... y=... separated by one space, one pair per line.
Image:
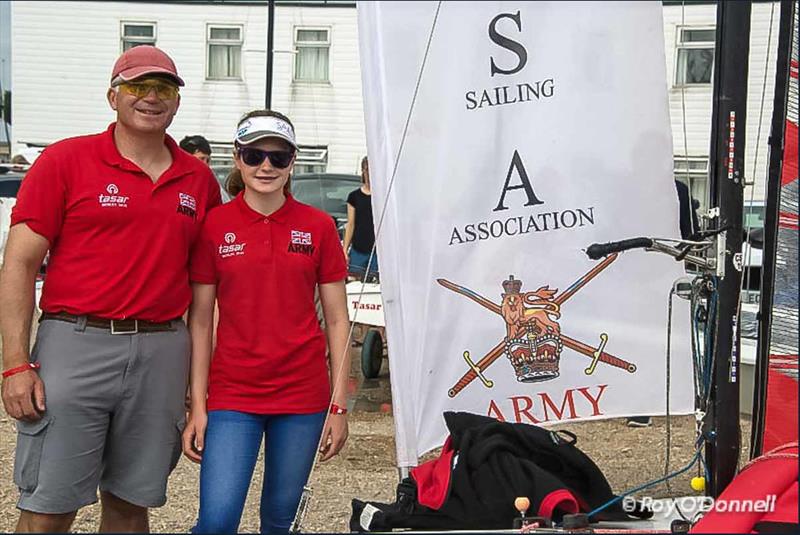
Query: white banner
x=521 y=132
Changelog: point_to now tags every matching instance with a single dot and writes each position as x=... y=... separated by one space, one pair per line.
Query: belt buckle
x=114 y=329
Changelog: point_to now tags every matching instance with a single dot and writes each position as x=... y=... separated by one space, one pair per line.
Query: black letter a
x=516 y=162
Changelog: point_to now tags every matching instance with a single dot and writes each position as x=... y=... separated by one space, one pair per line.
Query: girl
x=261 y=256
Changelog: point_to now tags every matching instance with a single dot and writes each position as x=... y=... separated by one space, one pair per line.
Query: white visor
x=255 y=128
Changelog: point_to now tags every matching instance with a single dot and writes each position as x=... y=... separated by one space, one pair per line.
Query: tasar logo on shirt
x=112 y=198
x=187 y=205
x=230 y=247
x=301 y=242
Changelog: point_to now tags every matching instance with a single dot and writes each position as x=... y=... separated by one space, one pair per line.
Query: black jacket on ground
x=489 y=464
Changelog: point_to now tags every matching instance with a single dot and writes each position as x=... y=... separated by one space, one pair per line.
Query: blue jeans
x=358 y=262
x=232 y=443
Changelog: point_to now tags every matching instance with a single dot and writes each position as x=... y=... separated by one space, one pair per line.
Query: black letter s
x=507 y=43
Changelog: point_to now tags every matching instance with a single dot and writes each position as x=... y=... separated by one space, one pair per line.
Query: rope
x=697 y=457
x=668 y=417
x=758 y=140
x=685 y=135
x=304 y=501
x=745 y=282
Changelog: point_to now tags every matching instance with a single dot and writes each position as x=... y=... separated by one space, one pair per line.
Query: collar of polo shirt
x=279 y=216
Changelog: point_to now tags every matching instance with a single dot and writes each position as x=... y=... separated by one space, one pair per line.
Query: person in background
x=261 y=256
x=99 y=402
x=689 y=226
x=198 y=147
x=359 y=233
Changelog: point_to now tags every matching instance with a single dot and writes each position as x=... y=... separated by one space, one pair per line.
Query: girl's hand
x=194 y=435
x=334 y=435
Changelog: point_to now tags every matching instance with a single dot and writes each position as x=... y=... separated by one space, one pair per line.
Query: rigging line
x=668 y=421
x=683 y=126
x=396 y=163
x=403 y=137
x=746 y=280
x=300 y=512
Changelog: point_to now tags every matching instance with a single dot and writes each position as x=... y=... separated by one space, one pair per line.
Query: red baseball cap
x=141 y=60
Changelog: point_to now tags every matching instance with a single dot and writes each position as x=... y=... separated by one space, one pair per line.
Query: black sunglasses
x=279 y=159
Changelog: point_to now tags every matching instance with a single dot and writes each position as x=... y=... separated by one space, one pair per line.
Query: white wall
x=697 y=100
x=63 y=53
x=324 y=114
x=61 y=72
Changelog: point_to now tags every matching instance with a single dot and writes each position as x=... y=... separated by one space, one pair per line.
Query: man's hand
x=23 y=396
x=334 y=435
x=194 y=435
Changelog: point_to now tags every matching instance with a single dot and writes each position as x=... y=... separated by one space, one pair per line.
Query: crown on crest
x=512 y=285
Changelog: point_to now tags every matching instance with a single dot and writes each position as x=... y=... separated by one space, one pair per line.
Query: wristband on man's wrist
x=22 y=368
x=336 y=409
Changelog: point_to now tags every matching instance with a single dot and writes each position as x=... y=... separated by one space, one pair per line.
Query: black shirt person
x=359 y=234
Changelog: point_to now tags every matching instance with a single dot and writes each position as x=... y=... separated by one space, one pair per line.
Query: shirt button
x=266 y=221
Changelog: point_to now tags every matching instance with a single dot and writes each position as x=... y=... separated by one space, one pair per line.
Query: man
x=99 y=402
x=198 y=147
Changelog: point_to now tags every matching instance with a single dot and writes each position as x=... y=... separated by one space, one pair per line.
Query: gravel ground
x=366 y=467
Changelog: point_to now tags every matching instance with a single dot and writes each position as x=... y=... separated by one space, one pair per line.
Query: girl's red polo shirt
x=270 y=353
x=119 y=243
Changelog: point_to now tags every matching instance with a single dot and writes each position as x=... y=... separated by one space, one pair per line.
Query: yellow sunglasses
x=164 y=90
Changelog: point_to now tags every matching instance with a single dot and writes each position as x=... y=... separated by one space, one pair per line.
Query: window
x=138 y=33
x=695 y=56
x=313 y=50
x=311 y=160
x=224 y=52
x=754 y=215
x=693 y=171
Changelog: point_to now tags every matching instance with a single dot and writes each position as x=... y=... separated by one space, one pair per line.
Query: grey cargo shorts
x=114 y=416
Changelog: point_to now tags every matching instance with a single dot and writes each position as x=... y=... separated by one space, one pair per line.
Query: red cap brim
x=137 y=72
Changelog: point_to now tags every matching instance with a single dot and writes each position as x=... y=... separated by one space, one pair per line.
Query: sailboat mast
x=727 y=194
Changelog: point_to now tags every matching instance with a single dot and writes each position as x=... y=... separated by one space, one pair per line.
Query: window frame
x=312 y=155
x=297 y=45
x=693 y=45
x=138 y=40
x=224 y=42
x=689 y=175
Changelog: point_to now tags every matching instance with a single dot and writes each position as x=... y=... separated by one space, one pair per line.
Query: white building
x=62 y=53
x=689 y=38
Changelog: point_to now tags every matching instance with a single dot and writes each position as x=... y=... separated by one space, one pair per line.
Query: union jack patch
x=301 y=238
x=187 y=201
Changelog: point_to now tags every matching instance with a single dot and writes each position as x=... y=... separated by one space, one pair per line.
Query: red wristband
x=23 y=368
x=336 y=409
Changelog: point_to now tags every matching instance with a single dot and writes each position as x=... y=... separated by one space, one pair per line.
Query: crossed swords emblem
x=597 y=354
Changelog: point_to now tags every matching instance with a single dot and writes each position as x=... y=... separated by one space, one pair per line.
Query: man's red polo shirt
x=270 y=354
x=119 y=243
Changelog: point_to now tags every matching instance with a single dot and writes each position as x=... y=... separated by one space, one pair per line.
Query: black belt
x=126 y=326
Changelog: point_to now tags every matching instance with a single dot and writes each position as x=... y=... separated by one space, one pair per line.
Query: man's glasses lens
x=163 y=90
x=279 y=159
